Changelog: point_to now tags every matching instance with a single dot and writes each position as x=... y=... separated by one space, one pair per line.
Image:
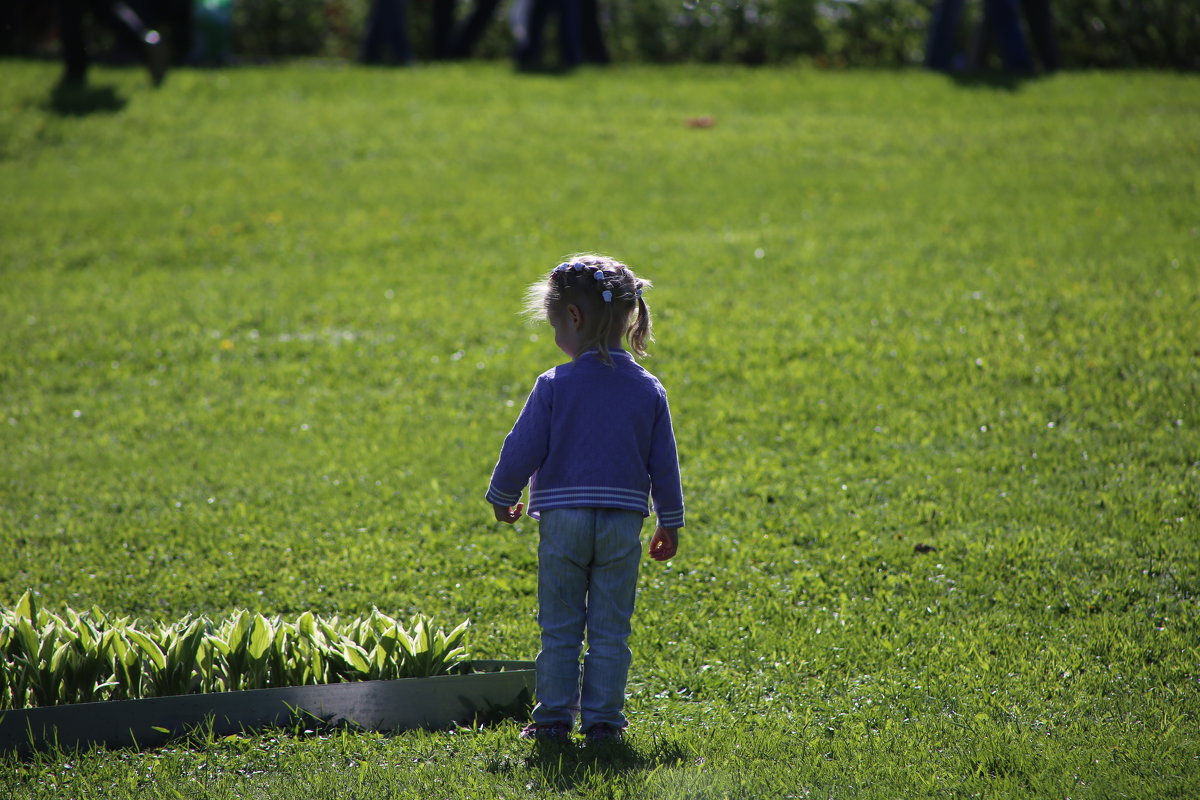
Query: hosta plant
x=85 y=656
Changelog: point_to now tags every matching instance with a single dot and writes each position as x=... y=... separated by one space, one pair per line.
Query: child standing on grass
x=593 y=441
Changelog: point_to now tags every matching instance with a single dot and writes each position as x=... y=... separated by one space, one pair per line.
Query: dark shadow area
x=545 y=70
x=994 y=80
x=81 y=101
x=563 y=766
x=493 y=714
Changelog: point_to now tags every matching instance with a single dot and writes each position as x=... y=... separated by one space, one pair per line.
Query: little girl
x=593 y=441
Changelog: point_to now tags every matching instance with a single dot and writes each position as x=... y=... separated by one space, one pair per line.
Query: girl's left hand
x=508 y=514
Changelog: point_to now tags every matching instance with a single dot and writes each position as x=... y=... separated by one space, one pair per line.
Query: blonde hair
x=585 y=281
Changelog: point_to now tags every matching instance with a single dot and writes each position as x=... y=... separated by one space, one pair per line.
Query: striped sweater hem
x=587 y=497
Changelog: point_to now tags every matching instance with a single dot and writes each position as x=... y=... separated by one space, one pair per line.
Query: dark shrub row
x=1091 y=33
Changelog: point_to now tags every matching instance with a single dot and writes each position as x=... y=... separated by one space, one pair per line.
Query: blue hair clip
x=578 y=266
x=607 y=295
x=599 y=273
x=637 y=292
x=562 y=267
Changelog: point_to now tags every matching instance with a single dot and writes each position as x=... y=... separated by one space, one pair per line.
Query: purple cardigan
x=593 y=436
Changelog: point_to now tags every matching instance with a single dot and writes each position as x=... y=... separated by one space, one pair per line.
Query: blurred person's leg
x=131 y=31
x=74 y=51
x=592 y=34
x=529 y=54
x=141 y=39
x=443 y=28
x=943 y=25
x=177 y=20
x=387 y=29
x=1000 y=17
x=1041 y=30
x=471 y=31
x=570 y=42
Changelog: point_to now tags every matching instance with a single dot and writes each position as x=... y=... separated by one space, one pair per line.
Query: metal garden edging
x=489 y=689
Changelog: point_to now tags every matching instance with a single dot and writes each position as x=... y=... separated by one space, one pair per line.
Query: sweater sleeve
x=524 y=448
x=666 y=489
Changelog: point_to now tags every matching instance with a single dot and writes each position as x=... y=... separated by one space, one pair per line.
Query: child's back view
x=594 y=442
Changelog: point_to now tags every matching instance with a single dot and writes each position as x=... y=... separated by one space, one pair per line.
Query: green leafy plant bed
x=79 y=657
x=87 y=677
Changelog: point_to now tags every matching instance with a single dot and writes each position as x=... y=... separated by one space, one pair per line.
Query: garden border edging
x=488 y=690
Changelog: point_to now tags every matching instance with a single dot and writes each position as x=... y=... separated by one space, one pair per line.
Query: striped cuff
x=670 y=519
x=499 y=498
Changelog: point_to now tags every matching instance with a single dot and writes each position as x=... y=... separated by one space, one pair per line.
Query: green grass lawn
x=933 y=351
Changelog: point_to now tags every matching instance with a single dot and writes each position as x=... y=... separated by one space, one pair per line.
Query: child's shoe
x=603 y=732
x=547 y=732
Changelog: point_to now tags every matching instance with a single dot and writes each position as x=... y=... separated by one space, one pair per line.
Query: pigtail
x=640 y=333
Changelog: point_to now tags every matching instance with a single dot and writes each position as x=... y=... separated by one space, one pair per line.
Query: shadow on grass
x=995 y=81
x=564 y=766
x=81 y=101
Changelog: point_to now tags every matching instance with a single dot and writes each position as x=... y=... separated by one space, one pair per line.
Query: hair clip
x=599 y=273
x=563 y=267
x=637 y=292
x=607 y=295
x=578 y=266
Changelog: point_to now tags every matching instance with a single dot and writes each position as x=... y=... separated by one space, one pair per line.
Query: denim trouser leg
x=587 y=580
x=939 y=44
x=1003 y=17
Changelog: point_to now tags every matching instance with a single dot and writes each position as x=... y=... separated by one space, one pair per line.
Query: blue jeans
x=587 y=580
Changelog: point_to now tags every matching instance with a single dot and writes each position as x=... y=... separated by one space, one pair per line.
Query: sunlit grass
x=933 y=352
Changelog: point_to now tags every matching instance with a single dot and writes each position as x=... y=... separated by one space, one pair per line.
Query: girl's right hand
x=665 y=544
x=507 y=514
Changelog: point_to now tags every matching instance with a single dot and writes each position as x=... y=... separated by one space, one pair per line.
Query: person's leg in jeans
x=570 y=41
x=75 y=55
x=529 y=53
x=566 y=537
x=130 y=30
x=611 y=593
x=443 y=28
x=591 y=34
x=940 y=42
x=1041 y=31
x=1002 y=19
x=387 y=28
